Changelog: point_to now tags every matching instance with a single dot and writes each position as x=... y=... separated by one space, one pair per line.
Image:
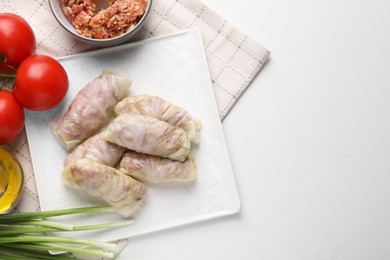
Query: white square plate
x=173 y=67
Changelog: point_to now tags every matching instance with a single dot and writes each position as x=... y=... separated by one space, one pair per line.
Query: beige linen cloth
x=234 y=59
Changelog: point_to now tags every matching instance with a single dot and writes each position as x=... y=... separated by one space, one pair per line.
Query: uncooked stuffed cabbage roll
x=91 y=109
x=148 y=135
x=120 y=191
x=98 y=149
x=162 y=109
x=155 y=169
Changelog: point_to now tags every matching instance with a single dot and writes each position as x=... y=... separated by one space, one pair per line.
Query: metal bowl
x=55 y=6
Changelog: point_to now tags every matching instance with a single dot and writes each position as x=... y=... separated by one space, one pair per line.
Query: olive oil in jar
x=11 y=181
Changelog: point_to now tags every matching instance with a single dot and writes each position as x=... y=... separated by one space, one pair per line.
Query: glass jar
x=11 y=181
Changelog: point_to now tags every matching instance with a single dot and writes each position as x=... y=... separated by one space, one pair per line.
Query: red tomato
x=11 y=117
x=41 y=83
x=17 y=41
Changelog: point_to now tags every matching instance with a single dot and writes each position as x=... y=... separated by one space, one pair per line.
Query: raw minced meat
x=116 y=19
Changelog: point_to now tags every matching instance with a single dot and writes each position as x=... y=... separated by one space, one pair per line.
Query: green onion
x=25 y=234
x=46 y=223
x=22 y=254
x=52 y=213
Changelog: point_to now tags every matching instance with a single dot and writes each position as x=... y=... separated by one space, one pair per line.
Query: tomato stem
x=10 y=76
x=3 y=58
x=5 y=78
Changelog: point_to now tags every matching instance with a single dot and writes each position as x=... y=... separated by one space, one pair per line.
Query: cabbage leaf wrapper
x=154 y=169
x=121 y=191
x=162 y=109
x=148 y=135
x=97 y=149
x=91 y=109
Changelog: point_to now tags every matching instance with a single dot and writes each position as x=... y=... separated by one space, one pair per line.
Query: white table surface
x=309 y=140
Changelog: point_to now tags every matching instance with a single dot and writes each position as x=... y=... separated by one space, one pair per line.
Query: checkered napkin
x=234 y=59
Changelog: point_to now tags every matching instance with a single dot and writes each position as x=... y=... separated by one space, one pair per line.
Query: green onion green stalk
x=25 y=235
